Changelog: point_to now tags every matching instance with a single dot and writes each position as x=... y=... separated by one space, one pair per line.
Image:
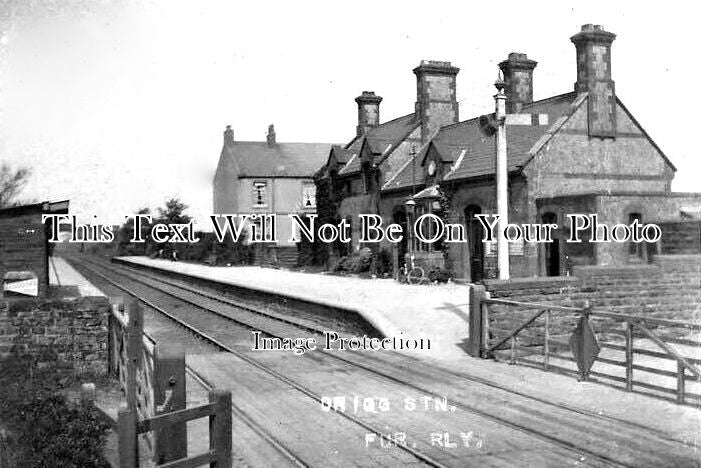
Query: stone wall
x=68 y=334
x=482 y=194
x=562 y=290
x=683 y=237
x=573 y=163
x=653 y=207
x=666 y=289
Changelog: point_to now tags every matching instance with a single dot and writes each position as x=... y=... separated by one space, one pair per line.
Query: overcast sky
x=121 y=104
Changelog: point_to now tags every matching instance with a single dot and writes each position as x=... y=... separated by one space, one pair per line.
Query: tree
x=125 y=246
x=173 y=212
x=12 y=181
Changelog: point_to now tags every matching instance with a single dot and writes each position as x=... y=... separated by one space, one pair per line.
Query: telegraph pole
x=502 y=175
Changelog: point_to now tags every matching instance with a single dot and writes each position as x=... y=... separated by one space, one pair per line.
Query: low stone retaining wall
x=546 y=290
x=547 y=287
x=681 y=237
x=68 y=334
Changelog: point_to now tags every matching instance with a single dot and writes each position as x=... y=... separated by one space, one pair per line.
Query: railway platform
x=391 y=305
x=68 y=282
x=436 y=312
x=524 y=416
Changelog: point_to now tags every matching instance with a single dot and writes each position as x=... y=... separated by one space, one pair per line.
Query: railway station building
x=577 y=152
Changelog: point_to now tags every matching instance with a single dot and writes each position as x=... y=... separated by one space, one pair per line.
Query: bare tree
x=12 y=181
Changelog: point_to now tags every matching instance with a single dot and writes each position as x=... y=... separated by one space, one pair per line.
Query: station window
x=259 y=189
x=308 y=195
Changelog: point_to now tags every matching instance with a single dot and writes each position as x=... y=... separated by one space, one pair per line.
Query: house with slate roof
x=577 y=152
x=264 y=177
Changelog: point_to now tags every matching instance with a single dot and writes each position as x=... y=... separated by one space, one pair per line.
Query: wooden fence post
x=681 y=383
x=116 y=303
x=170 y=395
x=128 y=443
x=220 y=428
x=135 y=332
x=546 y=341
x=629 y=355
x=110 y=345
x=475 y=343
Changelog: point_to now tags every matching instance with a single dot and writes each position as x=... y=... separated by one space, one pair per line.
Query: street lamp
x=502 y=176
x=411 y=203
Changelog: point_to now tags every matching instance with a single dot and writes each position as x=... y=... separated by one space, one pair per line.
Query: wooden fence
x=650 y=355
x=152 y=379
x=219 y=412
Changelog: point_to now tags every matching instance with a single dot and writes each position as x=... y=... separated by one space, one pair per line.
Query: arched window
x=551 y=249
x=635 y=250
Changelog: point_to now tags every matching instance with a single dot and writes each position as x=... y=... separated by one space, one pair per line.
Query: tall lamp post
x=502 y=176
x=411 y=203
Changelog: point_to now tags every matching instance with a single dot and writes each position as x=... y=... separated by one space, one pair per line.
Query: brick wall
x=69 y=334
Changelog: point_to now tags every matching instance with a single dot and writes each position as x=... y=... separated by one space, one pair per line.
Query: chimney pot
x=271 y=135
x=518 y=80
x=228 y=136
x=368 y=111
x=436 y=98
x=593 y=46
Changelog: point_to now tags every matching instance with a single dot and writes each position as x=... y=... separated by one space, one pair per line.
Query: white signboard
x=27 y=287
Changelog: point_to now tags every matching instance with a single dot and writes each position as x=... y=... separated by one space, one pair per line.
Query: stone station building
x=578 y=152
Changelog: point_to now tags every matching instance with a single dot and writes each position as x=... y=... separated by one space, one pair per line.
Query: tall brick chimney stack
x=271 y=135
x=593 y=46
x=228 y=136
x=436 y=100
x=518 y=80
x=368 y=111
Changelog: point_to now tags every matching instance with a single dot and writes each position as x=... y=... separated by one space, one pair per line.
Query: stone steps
x=669 y=289
x=287 y=257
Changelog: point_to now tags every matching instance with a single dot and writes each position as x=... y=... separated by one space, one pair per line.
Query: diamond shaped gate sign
x=584 y=345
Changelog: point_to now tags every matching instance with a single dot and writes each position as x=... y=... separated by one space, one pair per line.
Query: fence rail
x=152 y=379
x=218 y=410
x=648 y=351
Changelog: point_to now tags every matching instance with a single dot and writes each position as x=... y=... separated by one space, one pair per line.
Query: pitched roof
x=258 y=159
x=381 y=140
x=471 y=152
x=341 y=154
x=58 y=207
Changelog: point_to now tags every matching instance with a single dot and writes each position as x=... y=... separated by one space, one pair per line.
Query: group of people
x=173 y=255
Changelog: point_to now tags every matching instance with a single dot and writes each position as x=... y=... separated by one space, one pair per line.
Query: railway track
x=244 y=418
x=526 y=415
x=217 y=344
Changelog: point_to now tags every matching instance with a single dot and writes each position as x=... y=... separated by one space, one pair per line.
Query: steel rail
x=257 y=428
x=412 y=451
x=470 y=378
x=521 y=428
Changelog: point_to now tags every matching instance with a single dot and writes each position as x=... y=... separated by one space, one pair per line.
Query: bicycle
x=413 y=275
